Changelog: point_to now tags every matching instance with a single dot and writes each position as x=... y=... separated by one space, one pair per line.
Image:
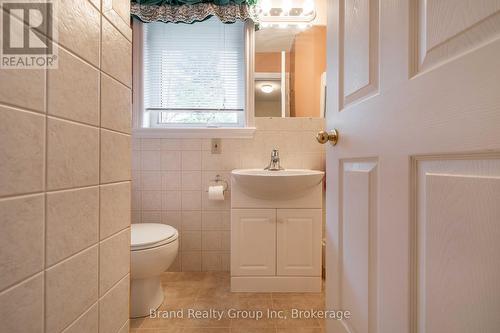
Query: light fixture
x=265 y=6
x=286 y=7
x=289 y=12
x=308 y=6
x=267 y=88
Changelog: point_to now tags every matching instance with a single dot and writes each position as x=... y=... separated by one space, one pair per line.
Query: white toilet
x=153 y=249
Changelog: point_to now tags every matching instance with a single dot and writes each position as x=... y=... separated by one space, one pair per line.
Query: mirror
x=290 y=68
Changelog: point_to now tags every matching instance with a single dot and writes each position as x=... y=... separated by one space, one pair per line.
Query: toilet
x=153 y=249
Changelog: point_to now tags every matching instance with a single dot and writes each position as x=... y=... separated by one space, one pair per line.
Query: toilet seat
x=150 y=235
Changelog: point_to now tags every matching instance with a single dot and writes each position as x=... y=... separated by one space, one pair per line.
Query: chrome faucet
x=274 y=164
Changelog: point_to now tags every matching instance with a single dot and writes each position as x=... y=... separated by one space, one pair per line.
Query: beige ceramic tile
x=86 y=323
x=172 y=200
x=23 y=88
x=116 y=105
x=300 y=330
x=96 y=3
x=211 y=261
x=150 y=161
x=114 y=307
x=115 y=46
x=21 y=307
x=121 y=7
x=150 y=144
x=225 y=161
x=206 y=329
x=114 y=262
x=73 y=90
x=313 y=124
x=151 y=180
x=22 y=136
x=191 y=180
x=115 y=208
x=170 y=160
x=21 y=239
x=191 y=144
x=191 y=160
x=272 y=123
x=118 y=12
x=191 y=200
x=191 y=240
x=216 y=220
x=171 y=144
x=151 y=216
x=115 y=157
x=125 y=328
x=191 y=220
x=72 y=156
x=79 y=25
x=245 y=329
x=191 y=261
x=151 y=200
x=71 y=288
x=172 y=218
x=72 y=222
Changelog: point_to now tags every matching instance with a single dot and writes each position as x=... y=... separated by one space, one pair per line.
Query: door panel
x=456 y=237
x=436 y=103
x=359 y=49
x=358 y=244
x=253 y=242
x=299 y=242
x=442 y=29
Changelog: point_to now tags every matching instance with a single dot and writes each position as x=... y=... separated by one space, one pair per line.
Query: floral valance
x=190 y=11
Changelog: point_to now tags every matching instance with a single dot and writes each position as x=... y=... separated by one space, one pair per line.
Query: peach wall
x=308 y=58
x=270 y=62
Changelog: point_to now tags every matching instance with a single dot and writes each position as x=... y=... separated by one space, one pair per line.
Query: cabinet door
x=299 y=242
x=253 y=242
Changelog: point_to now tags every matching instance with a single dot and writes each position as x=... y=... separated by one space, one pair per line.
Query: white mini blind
x=195 y=73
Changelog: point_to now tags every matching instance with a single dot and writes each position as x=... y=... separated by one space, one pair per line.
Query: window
x=194 y=74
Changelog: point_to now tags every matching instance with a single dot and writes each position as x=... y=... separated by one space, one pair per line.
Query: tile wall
x=170 y=178
x=65 y=179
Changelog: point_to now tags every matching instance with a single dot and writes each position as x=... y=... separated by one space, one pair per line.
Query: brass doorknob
x=323 y=137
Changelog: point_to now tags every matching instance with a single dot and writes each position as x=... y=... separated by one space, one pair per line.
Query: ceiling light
x=266 y=88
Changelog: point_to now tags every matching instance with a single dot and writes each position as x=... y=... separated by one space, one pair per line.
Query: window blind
x=195 y=73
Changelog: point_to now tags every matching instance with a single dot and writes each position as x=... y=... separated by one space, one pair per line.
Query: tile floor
x=211 y=290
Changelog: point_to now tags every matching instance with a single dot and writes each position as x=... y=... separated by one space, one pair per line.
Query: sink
x=277 y=185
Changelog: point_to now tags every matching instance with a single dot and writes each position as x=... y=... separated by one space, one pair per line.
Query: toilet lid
x=149 y=235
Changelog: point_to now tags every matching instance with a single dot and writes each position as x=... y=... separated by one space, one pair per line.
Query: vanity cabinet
x=298 y=242
x=276 y=230
x=276 y=242
x=253 y=242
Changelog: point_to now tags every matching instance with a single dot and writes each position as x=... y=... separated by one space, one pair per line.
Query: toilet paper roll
x=216 y=192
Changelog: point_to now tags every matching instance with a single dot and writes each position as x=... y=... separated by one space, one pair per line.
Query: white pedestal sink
x=276 y=185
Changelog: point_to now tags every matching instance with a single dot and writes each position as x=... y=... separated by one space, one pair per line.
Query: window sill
x=200 y=133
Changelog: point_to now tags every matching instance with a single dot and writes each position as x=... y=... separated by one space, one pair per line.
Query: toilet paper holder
x=218 y=181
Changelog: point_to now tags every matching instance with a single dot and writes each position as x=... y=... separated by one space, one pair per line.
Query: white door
x=413 y=186
x=298 y=242
x=253 y=242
